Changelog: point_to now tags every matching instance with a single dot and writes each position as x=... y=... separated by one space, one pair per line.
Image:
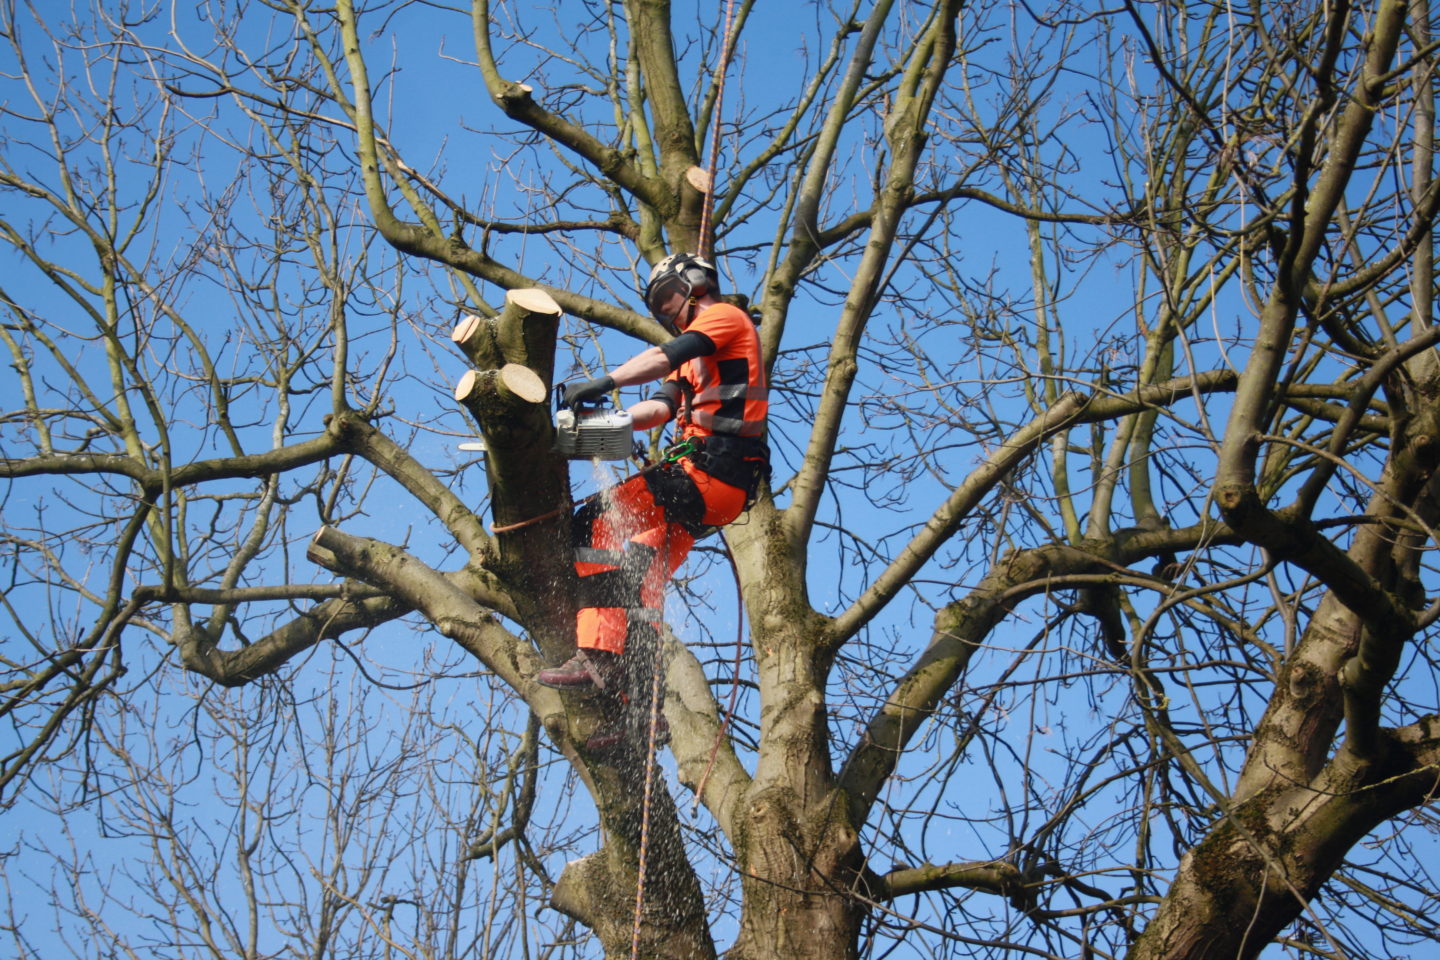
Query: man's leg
x=654 y=516
x=610 y=579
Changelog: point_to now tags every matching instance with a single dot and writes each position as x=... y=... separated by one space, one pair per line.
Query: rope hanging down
x=707 y=245
x=657 y=667
x=707 y=208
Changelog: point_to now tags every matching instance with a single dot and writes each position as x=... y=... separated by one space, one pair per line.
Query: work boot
x=610 y=736
x=588 y=668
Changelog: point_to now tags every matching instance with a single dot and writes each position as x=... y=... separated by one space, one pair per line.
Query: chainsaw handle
x=601 y=402
x=560 y=403
x=580 y=407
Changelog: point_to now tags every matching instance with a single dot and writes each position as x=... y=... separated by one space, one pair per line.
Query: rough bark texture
x=600 y=888
x=528 y=483
x=1114 y=477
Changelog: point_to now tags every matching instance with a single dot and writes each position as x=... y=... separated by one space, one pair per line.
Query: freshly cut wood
x=466 y=329
x=468 y=387
x=523 y=383
x=511 y=380
x=525 y=330
x=533 y=300
x=699 y=179
x=519 y=304
x=317 y=552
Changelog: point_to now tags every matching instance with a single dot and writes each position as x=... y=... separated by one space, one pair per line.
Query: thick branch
x=994 y=876
x=960 y=627
x=705 y=759
x=905 y=126
x=375 y=447
x=1255 y=394
x=264 y=464
x=443 y=602
x=1072 y=408
x=326 y=621
x=946 y=520
x=517 y=103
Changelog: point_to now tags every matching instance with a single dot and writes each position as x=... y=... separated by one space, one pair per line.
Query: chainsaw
x=592 y=431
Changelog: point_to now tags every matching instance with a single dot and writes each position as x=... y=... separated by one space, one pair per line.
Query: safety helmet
x=674 y=283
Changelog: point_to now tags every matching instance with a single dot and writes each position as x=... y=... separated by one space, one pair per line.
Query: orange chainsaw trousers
x=630 y=539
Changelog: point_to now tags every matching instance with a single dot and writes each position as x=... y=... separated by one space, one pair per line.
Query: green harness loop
x=681 y=450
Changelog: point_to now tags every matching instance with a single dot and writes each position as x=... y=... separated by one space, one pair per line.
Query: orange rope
x=707 y=240
x=544 y=516
x=707 y=246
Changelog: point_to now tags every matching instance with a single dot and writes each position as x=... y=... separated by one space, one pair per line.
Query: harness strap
x=742 y=462
x=612 y=558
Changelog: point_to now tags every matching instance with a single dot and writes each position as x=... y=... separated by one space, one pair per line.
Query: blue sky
x=443 y=117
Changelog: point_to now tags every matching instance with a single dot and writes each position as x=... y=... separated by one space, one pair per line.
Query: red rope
x=707 y=246
x=707 y=240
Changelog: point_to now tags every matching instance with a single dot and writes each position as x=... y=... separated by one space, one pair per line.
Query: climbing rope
x=707 y=244
x=642 y=855
x=651 y=746
x=707 y=208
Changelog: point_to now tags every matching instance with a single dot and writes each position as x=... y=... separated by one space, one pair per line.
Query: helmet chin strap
x=688 y=312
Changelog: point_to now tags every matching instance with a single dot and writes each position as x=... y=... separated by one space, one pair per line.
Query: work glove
x=589 y=390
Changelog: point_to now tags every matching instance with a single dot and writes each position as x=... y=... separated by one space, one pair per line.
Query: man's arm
x=651 y=364
x=642 y=368
x=648 y=414
x=656 y=362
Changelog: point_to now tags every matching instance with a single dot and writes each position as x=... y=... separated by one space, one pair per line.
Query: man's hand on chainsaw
x=586 y=391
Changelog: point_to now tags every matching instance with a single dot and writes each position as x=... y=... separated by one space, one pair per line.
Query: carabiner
x=680 y=450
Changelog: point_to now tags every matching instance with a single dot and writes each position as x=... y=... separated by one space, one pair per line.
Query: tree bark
x=1253 y=874
x=529 y=484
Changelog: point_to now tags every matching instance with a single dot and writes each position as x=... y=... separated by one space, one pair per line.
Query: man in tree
x=631 y=538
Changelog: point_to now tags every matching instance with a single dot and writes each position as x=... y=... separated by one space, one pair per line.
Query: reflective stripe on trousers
x=639 y=533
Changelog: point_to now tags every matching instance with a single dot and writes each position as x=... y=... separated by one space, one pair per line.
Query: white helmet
x=674 y=284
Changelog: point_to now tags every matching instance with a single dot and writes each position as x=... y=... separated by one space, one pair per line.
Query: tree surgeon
x=630 y=539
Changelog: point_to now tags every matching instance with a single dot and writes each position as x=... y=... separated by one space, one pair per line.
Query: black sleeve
x=687 y=346
x=668 y=394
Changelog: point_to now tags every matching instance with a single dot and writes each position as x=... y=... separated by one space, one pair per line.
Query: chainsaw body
x=593 y=433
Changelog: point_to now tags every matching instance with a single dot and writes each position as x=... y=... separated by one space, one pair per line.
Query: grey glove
x=577 y=393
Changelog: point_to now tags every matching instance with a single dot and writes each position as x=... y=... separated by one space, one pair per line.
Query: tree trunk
x=506 y=395
x=800 y=865
x=798 y=851
x=1253 y=874
x=641 y=827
